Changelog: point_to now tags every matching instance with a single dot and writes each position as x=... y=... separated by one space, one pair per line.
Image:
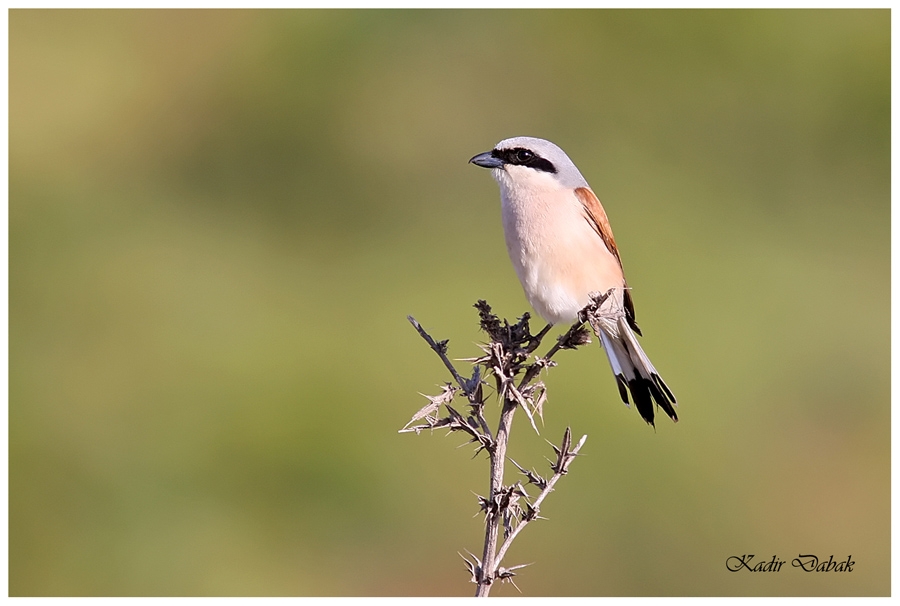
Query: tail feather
x=632 y=368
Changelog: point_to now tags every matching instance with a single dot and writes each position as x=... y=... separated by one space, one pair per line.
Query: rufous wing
x=599 y=222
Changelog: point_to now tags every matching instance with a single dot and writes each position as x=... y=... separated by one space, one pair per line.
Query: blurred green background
x=219 y=221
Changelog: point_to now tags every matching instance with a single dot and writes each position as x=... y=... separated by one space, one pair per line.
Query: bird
x=563 y=250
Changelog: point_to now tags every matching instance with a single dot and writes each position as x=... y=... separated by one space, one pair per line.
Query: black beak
x=486 y=160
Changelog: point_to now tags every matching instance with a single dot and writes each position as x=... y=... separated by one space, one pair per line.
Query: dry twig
x=505 y=357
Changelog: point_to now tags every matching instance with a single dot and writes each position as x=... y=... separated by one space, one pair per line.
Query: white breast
x=557 y=255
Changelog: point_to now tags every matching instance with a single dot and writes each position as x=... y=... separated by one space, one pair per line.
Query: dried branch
x=505 y=357
x=440 y=348
x=564 y=458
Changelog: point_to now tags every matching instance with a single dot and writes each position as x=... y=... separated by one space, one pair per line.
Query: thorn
x=473 y=566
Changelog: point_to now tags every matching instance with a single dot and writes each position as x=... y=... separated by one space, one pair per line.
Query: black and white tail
x=633 y=369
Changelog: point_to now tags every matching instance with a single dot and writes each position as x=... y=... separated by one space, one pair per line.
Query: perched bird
x=562 y=248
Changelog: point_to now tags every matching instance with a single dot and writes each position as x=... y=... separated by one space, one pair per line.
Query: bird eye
x=523 y=156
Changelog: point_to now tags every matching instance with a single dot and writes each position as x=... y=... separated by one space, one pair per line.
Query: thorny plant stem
x=536 y=507
x=492 y=519
x=441 y=350
x=490 y=559
x=506 y=358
